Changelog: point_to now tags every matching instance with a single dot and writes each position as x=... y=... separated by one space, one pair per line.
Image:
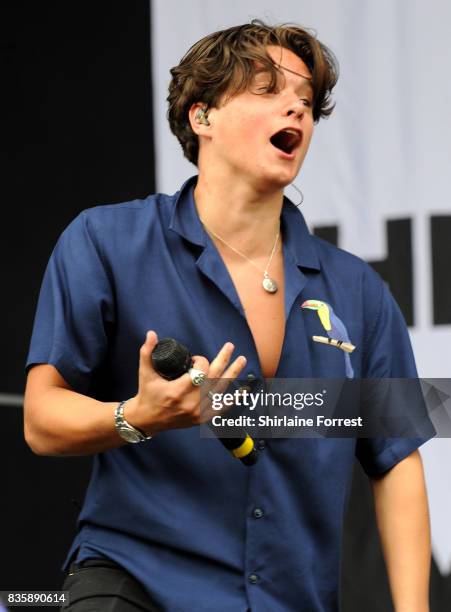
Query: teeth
x=290 y=131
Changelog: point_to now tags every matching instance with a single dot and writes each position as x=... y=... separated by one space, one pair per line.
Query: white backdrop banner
x=383 y=155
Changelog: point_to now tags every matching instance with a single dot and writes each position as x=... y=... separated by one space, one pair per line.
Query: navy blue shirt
x=194 y=526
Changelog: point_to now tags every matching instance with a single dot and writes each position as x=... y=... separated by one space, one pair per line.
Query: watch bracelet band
x=120 y=421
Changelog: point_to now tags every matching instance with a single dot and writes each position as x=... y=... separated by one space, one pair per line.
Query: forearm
x=403 y=522
x=63 y=422
x=59 y=421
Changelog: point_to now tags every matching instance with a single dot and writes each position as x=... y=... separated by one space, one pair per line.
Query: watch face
x=129 y=435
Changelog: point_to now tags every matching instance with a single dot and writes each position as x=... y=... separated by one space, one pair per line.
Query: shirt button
x=258 y=513
x=251 y=377
x=245 y=388
x=253 y=578
x=261 y=444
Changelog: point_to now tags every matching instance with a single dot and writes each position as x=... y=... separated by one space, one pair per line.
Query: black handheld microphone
x=171 y=359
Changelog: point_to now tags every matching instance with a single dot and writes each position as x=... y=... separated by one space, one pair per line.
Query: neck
x=242 y=215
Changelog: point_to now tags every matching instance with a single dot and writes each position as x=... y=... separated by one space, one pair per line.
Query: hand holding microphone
x=162 y=404
x=171 y=359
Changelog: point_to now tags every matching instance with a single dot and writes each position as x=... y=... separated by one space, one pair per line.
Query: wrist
x=134 y=413
x=126 y=430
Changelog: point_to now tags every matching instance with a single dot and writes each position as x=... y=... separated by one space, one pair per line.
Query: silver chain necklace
x=269 y=284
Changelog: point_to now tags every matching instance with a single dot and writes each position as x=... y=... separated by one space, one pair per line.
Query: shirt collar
x=297 y=238
x=185 y=220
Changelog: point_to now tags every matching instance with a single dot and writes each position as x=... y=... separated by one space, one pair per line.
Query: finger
x=213 y=370
x=145 y=359
x=232 y=372
x=221 y=360
x=184 y=383
x=235 y=368
x=200 y=363
x=215 y=388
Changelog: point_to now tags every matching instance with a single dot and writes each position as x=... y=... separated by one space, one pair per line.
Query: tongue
x=285 y=141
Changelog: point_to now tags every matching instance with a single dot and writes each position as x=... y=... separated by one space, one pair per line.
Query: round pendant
x=269 y=285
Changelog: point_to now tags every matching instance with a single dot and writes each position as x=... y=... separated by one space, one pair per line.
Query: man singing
x=227 y=266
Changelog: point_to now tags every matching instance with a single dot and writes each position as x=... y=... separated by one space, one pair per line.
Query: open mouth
x=286 y=140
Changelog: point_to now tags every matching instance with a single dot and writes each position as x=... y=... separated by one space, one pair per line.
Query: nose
x=295 y=107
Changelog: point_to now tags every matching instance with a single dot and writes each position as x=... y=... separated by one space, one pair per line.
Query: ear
x=199 y=121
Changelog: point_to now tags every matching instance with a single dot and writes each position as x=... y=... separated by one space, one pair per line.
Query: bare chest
x=265 y=312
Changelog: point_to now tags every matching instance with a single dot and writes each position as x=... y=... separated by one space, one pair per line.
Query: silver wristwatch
x=125 y=430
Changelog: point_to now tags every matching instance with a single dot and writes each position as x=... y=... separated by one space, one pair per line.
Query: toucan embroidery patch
x=337 y=334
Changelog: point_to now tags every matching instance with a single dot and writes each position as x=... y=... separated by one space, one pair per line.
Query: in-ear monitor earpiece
x=201 y=116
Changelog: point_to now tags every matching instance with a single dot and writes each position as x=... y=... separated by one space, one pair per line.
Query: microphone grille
x=171 y=358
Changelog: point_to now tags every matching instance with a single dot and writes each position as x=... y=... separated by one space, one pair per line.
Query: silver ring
x=197 y=377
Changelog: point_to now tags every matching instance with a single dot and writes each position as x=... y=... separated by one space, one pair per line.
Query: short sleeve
x=388 y=354
x=75 y=308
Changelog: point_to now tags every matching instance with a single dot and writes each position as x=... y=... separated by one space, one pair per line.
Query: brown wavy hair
x=224 y=63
